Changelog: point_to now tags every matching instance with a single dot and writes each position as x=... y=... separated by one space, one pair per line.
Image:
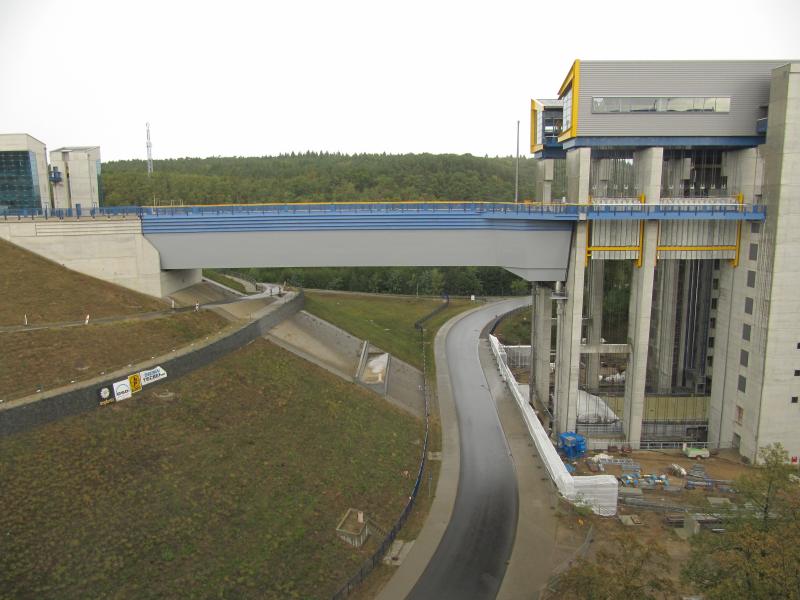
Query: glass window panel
x=643 y=104
x=680 y=104
x=708 y=104
x=723 y=105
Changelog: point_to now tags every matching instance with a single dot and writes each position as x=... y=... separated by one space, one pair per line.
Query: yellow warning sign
x=135 y=382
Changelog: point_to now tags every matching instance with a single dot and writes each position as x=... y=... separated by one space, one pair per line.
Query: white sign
x=122 y=390
x=152 y=375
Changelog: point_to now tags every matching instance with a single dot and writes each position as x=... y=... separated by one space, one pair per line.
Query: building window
x=742 y=385
x=711 y=342
x=798 y=345
x=797 y=372
x=748 y=306
x=660 y=104
x=710 y=361
x=744 y=358
x=753 y=251
x=751 y=279
x=794 y=399
x=746 y=332
x=714 y=307
x=715 y=284
x=737 y=440
x=712 y=323
x=566 y=108
x=755 y=227
x=739 y=414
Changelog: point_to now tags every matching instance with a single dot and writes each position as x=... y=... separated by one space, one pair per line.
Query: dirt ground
x=654 y=529
x=725 y=465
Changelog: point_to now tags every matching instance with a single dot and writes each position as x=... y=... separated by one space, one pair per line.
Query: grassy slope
x=224 y=280
x=48 y=292
x=52 y=358
x=232 y=488
x=515 y=330
x=387 y=322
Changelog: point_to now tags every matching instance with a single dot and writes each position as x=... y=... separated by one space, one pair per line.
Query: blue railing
x=488 y=210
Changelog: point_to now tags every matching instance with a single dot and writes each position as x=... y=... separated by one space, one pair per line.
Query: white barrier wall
x=599 y=492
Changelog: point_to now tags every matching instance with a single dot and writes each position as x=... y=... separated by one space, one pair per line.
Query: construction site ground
x=654 y=528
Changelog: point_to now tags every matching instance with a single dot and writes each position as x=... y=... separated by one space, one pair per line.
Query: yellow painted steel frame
x=535 y=107
x=573 y=80
x=639 y=248
x=709 y=248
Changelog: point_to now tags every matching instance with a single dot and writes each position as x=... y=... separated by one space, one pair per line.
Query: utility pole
x=150 y=151
x=516 y=178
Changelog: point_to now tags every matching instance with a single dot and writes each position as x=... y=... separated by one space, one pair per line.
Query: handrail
x=486 y=209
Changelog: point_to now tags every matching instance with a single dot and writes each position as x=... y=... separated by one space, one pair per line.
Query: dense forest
x=314 y=177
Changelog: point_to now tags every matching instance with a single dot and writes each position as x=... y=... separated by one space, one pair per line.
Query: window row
x=605 y=105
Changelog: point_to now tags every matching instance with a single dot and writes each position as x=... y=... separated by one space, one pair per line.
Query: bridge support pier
x=541 y=340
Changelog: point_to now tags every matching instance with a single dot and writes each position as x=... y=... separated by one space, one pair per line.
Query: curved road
x=471 y=558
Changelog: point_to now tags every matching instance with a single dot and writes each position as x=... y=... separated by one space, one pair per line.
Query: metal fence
x=552 y=584
x=566 y=211
x=373 y=561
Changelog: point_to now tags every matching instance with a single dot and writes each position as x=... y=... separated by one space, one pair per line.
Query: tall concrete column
x=568 y=352
x=541 y=331
x=595 y=330
x=641 y=303
x=544 y=179
x=663 y=342
x=648 y=164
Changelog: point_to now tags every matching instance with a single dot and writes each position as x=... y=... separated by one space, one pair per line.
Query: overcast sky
x=262 y=78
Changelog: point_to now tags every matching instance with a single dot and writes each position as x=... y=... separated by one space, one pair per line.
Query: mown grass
x=47 y=292
x=49 y=358
x=224 y=280
x=231 y=488
x=387 y=322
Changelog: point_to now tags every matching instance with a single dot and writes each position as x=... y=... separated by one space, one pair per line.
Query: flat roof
x=75 y=148
x=25 y=134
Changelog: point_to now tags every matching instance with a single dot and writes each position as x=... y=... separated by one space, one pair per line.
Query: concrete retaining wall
x=111 y=249
x=26 y=413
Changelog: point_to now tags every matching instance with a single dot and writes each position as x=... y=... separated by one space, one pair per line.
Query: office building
x=23 y=173
x=75 y=175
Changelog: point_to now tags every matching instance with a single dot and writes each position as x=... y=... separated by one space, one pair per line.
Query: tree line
x=316 y=177
x=427 y=281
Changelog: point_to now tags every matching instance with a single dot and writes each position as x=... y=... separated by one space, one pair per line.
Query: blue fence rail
x=499 y=210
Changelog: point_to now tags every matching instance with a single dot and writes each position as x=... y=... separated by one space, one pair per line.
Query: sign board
x=122 y=390
x=152 y=375
x=135 y=382
x=105 y=396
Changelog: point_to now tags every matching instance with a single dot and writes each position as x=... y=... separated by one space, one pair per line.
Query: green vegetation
x=224 y=280
x=387 y=322
x=515 y=329
x=47 y=292
x=50 y=358
x=231 y=487
x=631 y=569
x=758 y=557
x=426 y=281
x=315 y=177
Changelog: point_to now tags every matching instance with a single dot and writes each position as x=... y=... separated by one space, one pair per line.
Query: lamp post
x=516 y=176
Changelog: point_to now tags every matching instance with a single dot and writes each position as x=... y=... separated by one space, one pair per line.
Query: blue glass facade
x=19 y=181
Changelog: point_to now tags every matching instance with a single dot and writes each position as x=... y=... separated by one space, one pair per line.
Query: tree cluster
x=428 y=281
x=315 y=177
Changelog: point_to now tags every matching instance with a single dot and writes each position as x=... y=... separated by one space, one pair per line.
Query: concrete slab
x=323 y=341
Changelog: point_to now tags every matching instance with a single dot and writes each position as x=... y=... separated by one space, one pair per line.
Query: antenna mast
x=149 y=152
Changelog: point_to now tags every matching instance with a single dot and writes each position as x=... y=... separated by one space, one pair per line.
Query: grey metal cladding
x=746 y=82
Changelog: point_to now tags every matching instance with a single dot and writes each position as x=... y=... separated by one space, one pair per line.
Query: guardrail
x=692 y=208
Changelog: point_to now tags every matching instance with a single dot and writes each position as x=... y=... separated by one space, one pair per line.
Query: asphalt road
x=471 y=558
